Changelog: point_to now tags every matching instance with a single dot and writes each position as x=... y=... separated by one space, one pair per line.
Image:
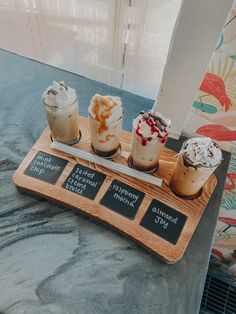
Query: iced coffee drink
x=197 y=160
x=61 y=108
x=150 y=131
x=105 y=117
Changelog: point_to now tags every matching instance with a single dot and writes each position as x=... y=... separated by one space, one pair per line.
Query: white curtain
x=123 y=43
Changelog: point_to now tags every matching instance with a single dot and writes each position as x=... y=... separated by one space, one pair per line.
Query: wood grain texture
x=193 y=209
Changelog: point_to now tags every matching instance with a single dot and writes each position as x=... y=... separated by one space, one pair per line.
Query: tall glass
x=188 y=179
x=105 y=137
x=63 y=122
x=145 y=154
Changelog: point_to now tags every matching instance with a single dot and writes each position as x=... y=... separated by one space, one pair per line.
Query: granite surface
x=54 y=260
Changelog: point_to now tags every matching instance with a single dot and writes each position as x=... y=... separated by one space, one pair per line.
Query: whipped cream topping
x=151 y=126
x=58 y=95
x=106 y=110
x=201 y=152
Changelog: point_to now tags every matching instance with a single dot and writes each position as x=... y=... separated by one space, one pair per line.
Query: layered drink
x=198 y=159
x=61 y=108
x=105 y=117
x=150 y=131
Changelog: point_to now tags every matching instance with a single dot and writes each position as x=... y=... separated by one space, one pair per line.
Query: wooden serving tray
x=164 y=240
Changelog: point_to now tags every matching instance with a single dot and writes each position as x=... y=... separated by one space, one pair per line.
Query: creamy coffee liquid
x=106 y=116
x=150 y=131
x=198 y=159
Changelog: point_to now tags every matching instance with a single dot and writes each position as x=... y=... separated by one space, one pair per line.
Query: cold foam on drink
x=198 y=159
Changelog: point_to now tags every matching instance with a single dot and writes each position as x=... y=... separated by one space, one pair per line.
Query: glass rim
x=60 y=108
x=199 y=165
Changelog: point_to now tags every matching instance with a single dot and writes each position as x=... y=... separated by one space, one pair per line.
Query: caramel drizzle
x=108 y=138
x=105 y=114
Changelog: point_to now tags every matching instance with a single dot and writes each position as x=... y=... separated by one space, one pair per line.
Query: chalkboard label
x=123 y=199
x=46 y=167
x=164 y=221
x=84 y=181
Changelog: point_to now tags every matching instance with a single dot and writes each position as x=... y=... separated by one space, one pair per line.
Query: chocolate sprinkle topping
x=63 y=84
x=201 y=152
x=52 y=91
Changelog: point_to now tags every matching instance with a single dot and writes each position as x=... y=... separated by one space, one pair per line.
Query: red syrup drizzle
x=153 y=130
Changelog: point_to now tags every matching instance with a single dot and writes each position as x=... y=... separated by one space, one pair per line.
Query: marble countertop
x=54 y=260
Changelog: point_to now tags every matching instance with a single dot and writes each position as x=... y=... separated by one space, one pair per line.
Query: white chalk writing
x=163 y=218
x=40 y=164
x=121 y=193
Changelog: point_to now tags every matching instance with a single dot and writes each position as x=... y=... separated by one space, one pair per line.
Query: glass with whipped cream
x=105 y=117
x=198 y=159
x=149 y=135
x=61 y=108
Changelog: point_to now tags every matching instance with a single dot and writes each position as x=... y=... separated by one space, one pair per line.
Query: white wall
x=196 y=33
x=120 y=42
